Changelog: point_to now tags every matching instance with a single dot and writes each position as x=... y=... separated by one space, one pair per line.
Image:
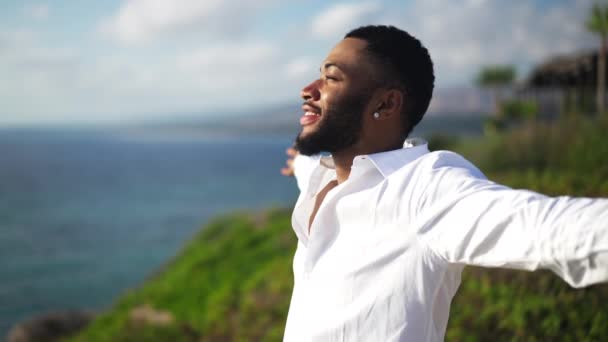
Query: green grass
x=569 y=156
x=232 y=282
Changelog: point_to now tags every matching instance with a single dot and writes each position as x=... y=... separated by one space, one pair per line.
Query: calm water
x=83 y=216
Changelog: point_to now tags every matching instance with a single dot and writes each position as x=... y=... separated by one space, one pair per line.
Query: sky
x=128 y=60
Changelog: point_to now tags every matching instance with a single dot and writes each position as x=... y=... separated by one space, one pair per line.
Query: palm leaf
x=597 y=22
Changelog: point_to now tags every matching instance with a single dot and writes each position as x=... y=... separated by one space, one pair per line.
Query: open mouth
x=311 y=115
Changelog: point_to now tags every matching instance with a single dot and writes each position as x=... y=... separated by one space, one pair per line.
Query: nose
x=311 y=91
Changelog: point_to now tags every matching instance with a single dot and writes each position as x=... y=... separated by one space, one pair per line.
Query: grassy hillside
x=233 y=280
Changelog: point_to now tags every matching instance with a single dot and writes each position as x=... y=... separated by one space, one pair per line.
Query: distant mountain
x=452 y=111
x=462 y=124
x=460 y=100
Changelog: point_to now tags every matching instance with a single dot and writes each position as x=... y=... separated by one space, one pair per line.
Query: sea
x=87 y=214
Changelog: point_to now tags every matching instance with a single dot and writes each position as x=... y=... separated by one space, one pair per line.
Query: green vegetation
x=233 y=280
x=508 y=113
x=569 y=156
x=511 y=113
x=496 y=78
x=597 y=22
x=565 y=157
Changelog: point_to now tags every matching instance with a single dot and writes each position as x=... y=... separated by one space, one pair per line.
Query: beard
x=339 y=127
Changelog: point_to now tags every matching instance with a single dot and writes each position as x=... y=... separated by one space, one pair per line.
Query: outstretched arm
x=475 y=221
x=299 y=166
x=288 y=169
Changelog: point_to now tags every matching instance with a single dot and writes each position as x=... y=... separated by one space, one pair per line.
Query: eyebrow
x=329 y=65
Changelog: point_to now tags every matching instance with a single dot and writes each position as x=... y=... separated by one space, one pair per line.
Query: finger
x=291 y=152
x=287 y=171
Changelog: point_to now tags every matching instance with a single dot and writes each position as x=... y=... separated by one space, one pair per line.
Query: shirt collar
x=391 y=161
x=388 y=162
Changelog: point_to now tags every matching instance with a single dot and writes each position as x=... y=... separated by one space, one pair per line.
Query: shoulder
x=437 y=176
x=447 y=163
x=434 y=166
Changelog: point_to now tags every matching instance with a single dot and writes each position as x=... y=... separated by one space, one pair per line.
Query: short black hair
x=405 y=61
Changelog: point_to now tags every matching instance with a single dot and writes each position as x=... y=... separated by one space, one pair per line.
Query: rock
x=147 y=315
x=50 y=327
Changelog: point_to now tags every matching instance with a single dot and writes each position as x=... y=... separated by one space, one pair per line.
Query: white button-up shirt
x=386 y=248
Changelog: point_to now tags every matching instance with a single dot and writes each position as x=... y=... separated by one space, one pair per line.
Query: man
x=385 y=227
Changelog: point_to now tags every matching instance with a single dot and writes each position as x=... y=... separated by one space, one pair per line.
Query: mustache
x=307 y=103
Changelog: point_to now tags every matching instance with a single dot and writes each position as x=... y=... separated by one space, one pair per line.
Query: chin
x=305 y=145
x=306 y=131
x=309 y=129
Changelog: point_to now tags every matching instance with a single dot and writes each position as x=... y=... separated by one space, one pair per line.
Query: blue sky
x=124 y=60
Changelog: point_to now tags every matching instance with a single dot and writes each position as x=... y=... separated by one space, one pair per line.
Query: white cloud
x=463 y=38
x=140 y=21
x=217 y=58
x=38 y=82
x=10 y=39
x=476 y=3
x=37 y=11
x=21 y=50
x=43 y=84
x=44 y=81
x=335 y=21
x=300 y=67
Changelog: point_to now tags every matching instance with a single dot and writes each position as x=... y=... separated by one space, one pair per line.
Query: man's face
x=335 y=103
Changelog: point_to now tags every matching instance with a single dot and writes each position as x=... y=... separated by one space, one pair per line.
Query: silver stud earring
x=376 y=115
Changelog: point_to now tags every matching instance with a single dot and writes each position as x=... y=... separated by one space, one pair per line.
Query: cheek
x=331 y=94
x=326 y=100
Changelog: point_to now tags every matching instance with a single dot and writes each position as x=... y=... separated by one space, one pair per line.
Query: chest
x=348 y=224
x=361 y=277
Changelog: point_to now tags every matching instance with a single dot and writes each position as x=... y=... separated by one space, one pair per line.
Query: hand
x=288 y=170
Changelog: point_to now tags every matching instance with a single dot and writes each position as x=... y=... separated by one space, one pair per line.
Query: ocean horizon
x=87 y=214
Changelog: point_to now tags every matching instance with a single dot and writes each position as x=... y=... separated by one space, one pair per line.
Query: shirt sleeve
x=303 y=167
x=467 y=219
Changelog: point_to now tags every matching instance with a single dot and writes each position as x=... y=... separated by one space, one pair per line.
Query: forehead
x=350 y=56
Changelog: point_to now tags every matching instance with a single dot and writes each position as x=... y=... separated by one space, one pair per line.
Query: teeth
x=311 y=113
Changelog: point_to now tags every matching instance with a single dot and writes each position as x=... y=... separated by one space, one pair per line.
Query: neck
x=343 y=160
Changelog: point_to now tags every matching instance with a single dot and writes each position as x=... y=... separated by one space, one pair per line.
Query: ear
x=390 y=104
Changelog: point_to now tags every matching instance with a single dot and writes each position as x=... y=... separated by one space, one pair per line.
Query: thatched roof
x=577 y=70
